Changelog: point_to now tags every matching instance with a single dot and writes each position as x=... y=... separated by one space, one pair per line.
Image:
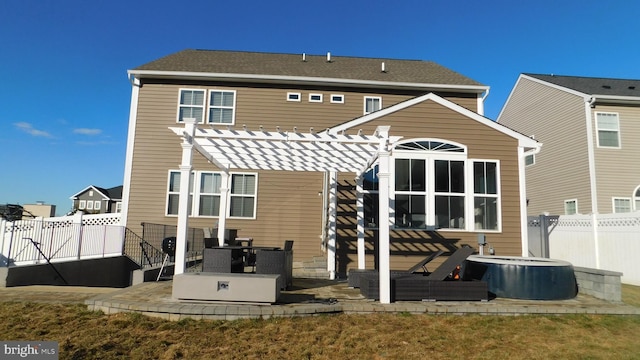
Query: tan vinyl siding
x=288 y=204
x=557 y=119
x=618 y=170
x=431 y=120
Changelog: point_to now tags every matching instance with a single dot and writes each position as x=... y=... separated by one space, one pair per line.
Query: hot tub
x=524 y=278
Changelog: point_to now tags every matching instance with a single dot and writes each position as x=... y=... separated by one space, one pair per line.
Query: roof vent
x=632 y=87
x=304 y=57
x=384 y=69
x=328 y=56
x=606 y=86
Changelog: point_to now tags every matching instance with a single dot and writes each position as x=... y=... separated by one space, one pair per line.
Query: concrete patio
x=307 y=297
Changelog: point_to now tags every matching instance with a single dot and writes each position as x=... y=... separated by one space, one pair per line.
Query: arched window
x=636 y=199
x=435 y=184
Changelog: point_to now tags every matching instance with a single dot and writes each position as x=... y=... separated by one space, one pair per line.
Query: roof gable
x=523 y=140
x=289 y=66
x=114 y=193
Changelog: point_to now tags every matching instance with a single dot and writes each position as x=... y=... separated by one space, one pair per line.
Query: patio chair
x=355 y=275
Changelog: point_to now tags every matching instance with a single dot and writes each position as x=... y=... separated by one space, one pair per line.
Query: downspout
x=524 y=230
x=128 y=166
x=588 y=104
x=481 y=98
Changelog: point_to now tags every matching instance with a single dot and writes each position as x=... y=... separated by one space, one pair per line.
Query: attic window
x=315 y=98
x=293 y=96
x=337 y=98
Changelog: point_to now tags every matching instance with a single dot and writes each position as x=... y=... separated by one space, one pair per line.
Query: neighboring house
x=590 y=129
x=39 y=209
x=453 y=169
x=97 y=200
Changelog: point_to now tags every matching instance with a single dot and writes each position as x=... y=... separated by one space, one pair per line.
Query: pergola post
x=183 y=202
x=361 y=222
x=333 y=211
x=224 y=205
x=383 y=232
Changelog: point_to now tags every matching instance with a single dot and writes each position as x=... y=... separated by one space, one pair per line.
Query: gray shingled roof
x=594 y=86
x=340 y=67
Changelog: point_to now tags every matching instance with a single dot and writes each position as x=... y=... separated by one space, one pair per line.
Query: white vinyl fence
x=604 y=241
x=60 y=239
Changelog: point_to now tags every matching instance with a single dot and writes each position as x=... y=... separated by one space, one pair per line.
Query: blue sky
x=65 y=95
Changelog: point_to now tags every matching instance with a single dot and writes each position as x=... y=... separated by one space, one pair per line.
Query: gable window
x=337 y=99
x=372 y=104
x=315 y=98
x=571 y=207
x=205 y=193
x=243 y=195
x=222 y=107
x=621 y=205
x=608 y=127
x=191 y=105
x=293 y=96
x=96 y=205
x=485 y=190
x=82 y=204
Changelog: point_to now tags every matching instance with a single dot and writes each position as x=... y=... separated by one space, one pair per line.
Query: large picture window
x=435 y=184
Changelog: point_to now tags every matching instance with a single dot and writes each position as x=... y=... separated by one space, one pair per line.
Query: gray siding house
x=590 y=128
x=97 y=200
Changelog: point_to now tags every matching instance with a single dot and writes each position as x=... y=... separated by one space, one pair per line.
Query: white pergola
x=325 y=151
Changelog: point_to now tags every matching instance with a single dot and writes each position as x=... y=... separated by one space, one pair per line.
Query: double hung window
x=191 y=105
x=222 y=107
x=608 y=125
x=621 y=205
x=571 y=207
x=372 y=104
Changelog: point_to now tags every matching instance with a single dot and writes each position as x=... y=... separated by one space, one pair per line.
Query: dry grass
x=90 y=335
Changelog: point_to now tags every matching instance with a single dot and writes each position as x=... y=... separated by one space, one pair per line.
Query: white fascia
x=307 y=80
x=133 y=115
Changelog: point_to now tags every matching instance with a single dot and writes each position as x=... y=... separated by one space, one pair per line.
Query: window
x=529 y=160
x=293 y=96
x=434 y=184
x=90 y=193
x=209 y=204
x=173 y=194
x=243 y=195
x=82 y=204
x=372 y=104
x=449 y=194
x=89 y=205
x=571 y=207
x=370 y=198
x=315 y=98
x=337 y=99
x=636 y=199
x=96 y=205
x=119 y=207
x=621 y=205
x=608 y=126
x=485 y=190
x=222 y=107
x=205 y=193
x=191 y=105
